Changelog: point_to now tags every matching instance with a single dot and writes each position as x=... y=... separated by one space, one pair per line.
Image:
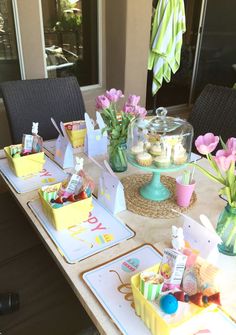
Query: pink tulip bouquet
x=117 y=122
x=222 y=163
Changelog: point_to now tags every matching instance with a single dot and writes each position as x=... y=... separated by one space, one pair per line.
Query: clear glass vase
x=226 y=229
x=117 y=157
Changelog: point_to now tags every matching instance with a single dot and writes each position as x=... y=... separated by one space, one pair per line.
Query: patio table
x=148 y=230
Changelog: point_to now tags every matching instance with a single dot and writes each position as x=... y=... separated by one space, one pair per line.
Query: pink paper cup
x=184 y=192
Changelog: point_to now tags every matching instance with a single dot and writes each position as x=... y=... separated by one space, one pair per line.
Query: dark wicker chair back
x=215 y=111
x=38 y=100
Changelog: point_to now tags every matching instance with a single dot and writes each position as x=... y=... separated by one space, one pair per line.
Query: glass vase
x=226 y=229
x=117 y=157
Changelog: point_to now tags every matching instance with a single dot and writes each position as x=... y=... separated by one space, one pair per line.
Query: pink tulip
x=102 y=102
x=114 y=95
x=207 y=143
x=231 y=145
x=129 y=109
x=140 y=111
x=135 y=110
x=224 y=159
x=133 y=100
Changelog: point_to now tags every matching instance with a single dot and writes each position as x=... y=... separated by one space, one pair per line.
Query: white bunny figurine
x=177 y=238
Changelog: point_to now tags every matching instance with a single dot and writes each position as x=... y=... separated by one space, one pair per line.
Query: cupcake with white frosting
x=136 y=149
x=144 y=159
x=162 y=161
x=179 y=154
x=155 y=149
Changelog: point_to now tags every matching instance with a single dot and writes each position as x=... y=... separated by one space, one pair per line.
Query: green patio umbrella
x=166 y=41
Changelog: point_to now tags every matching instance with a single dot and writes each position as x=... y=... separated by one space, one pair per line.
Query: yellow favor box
x=76 y=136
x=159 y=325
x=25 y=165
x=68 y=215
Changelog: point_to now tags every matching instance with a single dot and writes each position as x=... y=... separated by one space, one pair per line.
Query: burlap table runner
x=137 y=204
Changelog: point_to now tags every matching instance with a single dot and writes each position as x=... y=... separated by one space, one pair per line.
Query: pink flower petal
x=207 y=143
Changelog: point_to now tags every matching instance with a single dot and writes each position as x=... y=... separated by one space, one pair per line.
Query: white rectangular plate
x=101 y=231
x=105 y=280
x=109 y=283
x=51 y=174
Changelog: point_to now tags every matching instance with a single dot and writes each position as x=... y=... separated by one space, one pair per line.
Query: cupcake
x=136 y=149
x=144 y=159
x=173 y=140
x=179 y=154
x=181 y=159
x=147 y=145
x=155 y=149
x=162 y=161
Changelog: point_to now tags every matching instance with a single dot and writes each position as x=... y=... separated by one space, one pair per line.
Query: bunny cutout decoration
x=111 y=191
x=95 y=140
x=64 y=152
x=201 y=239
x=177 y=238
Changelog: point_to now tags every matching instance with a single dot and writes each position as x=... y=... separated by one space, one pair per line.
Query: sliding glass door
x=217 y=58
x=208 y=53
x=177 y=91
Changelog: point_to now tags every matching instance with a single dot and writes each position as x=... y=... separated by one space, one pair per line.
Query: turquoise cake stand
x=155 y=190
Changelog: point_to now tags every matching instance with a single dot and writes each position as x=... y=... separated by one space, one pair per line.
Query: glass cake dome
x=161 y=143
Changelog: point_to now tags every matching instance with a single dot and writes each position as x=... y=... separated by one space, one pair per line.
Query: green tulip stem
x=231 y=235
x=211 y=176
x=226 y=224
x=234 y=246
x=121 y=155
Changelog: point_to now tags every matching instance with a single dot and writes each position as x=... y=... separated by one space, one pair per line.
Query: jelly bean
x=82 y=195
x=72 y=198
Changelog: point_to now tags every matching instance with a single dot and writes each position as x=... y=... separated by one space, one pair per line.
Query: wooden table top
x=148 y=230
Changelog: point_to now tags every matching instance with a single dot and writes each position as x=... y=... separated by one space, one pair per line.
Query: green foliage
x=68 y=21
x=71 y=21
x=65 y=4
x=116 y=125
x=228 y=180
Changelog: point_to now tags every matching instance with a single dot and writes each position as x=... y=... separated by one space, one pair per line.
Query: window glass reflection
x=9 y=62
x=70 y=30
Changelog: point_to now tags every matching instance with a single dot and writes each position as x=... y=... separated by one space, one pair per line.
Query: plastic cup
x=184 y=192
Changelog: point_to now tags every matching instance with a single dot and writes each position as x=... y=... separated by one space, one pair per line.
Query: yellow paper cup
x=49 y=193
x=76 y=137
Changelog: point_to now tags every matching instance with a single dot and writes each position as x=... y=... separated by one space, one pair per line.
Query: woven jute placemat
x=137 y=204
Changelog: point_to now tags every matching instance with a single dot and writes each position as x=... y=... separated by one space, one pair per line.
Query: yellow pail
x=25 y=165
x=69 y=215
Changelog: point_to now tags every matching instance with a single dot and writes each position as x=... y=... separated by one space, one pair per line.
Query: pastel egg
x=130 y=265
x=168 y=304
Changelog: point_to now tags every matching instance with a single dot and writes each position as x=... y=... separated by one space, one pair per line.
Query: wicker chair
x=215 y=111
x=38 y=100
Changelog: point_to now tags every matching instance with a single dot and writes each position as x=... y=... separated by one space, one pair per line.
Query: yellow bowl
x=76 y=136
x=148 y=313
x=25 y=165
x=69 y=215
